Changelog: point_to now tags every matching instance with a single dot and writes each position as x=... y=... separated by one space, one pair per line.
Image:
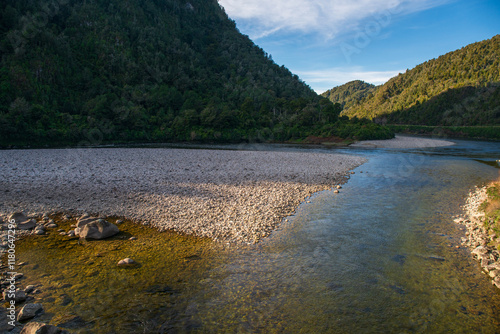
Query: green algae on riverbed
x=84 y=290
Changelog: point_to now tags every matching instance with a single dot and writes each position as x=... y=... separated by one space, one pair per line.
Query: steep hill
x=100 y=71
x=349 y=94
x=460 y=88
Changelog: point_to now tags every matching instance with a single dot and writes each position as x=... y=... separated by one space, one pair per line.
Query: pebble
x=477 y=238
x=29 y=289
x=126 y=262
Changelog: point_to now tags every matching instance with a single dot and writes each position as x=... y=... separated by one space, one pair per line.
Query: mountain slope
x=459 y=88
x=349 y=94
x=143 y=70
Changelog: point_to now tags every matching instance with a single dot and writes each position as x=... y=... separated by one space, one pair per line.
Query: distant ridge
x=349 y=94
x=460 y=88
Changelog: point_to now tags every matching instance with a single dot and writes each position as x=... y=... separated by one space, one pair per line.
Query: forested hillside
x=349 y=94
x=461 y=88
x=147 y=70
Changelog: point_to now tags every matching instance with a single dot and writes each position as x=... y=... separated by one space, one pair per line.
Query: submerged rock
x=30 y=311
x=19 y=296
x=100 y=229
x=40 y=327
x=126 y=262
x=29 y=288
x=73 y=322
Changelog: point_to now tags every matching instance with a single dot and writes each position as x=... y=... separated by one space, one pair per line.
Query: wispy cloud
x=324 y=80
x=328 y=18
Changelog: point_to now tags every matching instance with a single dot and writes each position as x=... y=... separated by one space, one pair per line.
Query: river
x=382 y=256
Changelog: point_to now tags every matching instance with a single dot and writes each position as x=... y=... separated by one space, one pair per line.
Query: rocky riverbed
x=61 y=277
x=234 y=196
x=481 y=240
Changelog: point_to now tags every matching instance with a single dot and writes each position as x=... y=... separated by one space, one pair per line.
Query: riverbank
x=491 y=132
x=234 y=196
x=482 y=235
x=403 y=142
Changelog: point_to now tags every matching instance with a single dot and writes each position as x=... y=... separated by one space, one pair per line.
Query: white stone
x=126 y=262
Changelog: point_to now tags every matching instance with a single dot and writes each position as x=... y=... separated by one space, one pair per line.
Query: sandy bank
x=403 y=142
x=229 y=195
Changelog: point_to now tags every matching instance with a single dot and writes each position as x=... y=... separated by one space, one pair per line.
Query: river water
x=379 y=257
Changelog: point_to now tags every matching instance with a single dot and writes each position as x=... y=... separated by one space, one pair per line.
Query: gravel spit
x=404 y=142
x=234 y=196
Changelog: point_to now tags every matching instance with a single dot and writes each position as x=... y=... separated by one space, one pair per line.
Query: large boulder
x=99 y=229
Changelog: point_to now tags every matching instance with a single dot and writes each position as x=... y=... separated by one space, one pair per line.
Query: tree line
x=148 y=70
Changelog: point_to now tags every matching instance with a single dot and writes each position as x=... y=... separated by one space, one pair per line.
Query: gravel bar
x=234 y=196
x=404 y=142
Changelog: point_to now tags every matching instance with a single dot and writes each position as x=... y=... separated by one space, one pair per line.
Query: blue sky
x=330 y=42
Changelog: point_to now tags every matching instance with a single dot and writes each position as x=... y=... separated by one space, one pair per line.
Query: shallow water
x=380 y=256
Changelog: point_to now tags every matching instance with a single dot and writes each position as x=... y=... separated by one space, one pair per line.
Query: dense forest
x=349 y=94
x=461 y=88
x=101 y=71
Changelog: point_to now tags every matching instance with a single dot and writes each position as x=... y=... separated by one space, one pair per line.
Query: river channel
x=382 y=256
